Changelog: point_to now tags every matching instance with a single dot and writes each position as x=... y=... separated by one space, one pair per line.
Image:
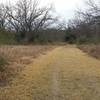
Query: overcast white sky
x=65 y=8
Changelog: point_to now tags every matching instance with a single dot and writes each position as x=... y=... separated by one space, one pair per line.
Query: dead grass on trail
x=18 y=57
x=92 y=50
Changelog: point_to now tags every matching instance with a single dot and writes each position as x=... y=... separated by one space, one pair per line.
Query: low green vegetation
x=74 y=38
x=7 y=37
x=42 y=37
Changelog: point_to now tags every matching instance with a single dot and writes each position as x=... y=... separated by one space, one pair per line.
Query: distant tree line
x=26 y=18
x=31 y=22
x=85 y=27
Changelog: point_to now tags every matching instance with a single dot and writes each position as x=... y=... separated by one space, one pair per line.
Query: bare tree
x=3 y=16
x=86 y=25
x=26 y=17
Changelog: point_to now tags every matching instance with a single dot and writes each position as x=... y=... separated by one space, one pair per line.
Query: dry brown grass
x=92 y=50
x=18 y=57
x=65 y=73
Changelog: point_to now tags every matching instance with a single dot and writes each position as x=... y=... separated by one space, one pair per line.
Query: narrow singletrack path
x=65 y=73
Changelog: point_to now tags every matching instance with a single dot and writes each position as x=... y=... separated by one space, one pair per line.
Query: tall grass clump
x=3 y=63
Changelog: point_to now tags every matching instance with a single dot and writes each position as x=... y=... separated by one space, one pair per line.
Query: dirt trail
x=66 y=73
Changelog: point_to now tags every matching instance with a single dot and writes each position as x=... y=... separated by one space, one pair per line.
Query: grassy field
x=13 y=59
x=91 y=49
x=64 y=73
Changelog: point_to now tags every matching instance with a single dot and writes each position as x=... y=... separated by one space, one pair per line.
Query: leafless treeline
x=26 y=17
x=86 y=26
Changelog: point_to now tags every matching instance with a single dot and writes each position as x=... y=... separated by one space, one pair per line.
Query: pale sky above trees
x=65 y=8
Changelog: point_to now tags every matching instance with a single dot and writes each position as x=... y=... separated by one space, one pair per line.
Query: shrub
x=7 y=37
x=70 y=37
x=82 y=39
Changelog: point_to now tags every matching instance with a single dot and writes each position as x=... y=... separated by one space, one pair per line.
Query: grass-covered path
x=65 y=73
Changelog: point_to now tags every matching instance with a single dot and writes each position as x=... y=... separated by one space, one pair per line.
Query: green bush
x=82 y=39
x=7 y=37
x=87 y=40
x=70 y=38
